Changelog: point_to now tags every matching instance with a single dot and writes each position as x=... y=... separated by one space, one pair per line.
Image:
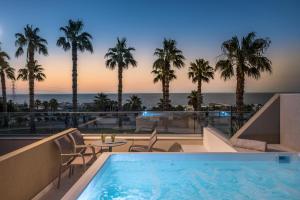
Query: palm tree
x=200 y=71
x=38 y=103
x=193 y=99
x=121 y=57
x=75 y=39
x=134 y=103
x=5 y=71
x=53 y=104
x=160 y=74
x=34 y=43
x=102 y=102
x=38 y=74
x=168 y=56
x=244 y=58
x=45 y=105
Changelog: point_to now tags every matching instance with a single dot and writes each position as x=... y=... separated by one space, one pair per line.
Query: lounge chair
x=176 y=147
x=145 y=148
x=69 y=157
x=81 y=147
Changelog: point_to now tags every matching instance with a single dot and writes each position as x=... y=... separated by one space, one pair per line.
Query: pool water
x=150 y=114
x=196 y=176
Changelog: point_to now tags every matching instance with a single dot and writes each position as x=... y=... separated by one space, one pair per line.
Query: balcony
x=34 y=157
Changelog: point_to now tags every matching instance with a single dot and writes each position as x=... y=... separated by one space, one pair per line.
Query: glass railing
x=173 y=122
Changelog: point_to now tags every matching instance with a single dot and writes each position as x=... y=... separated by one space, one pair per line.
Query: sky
x=199 y=27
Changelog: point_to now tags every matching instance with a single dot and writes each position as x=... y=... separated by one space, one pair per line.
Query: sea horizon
x=150 y=99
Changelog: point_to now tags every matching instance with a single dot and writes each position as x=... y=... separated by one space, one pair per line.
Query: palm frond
x=226 y=69
x=62 y=42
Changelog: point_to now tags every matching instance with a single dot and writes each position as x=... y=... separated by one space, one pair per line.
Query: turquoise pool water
x=196 y=176
x=150 y=114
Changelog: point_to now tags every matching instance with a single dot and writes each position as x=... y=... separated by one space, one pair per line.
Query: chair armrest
x=71 y=154
x=82 y=146
x=87 y=146
x=70 y=160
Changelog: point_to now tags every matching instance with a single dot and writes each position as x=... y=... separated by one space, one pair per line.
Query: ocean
x=151 y=99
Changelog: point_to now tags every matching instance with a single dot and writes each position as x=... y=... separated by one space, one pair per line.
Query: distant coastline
x=149 y=99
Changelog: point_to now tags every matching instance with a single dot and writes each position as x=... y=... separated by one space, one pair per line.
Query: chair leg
x=59 y=177
x=83 y=163
x=70 y=171
x=84 y=166
x=73 y=169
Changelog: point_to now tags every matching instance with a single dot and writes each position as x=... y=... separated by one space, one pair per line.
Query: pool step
x=284 y=159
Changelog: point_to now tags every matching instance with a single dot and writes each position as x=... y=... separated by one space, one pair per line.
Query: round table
x=108 y=143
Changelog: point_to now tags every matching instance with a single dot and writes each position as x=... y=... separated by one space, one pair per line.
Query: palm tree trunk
x=167 y=95
x=31 y=90
x=163 y=82
x=240 y=95
x=74 y=83
x=240 y=91
x=3 y=85
x=120 y=88
x=199 y=96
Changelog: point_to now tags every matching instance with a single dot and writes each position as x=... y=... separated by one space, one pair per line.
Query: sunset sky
x=199 y=27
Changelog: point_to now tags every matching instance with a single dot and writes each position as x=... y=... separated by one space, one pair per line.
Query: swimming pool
x=196 y=176
x=151 y=114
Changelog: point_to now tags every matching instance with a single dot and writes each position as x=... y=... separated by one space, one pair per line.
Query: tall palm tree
x=33 y=43
x=160 y=74
x=244 y=58
x=6 y=71
x=120 y=57
x=200 y=71
x=167 y=57
x=77 y=40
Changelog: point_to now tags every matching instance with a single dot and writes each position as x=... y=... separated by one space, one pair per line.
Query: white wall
x=213 y=141
x=264 y=125
x=290 y=121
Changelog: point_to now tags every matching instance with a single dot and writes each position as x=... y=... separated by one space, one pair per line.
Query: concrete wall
x=9 y=144
x=26 y=171
x=213 y=141
x=264 y=125
x=290 y=121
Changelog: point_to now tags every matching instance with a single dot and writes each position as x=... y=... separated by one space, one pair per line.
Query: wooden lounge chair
x=176 y=147
x=69 y=157
x=145 y=148
x=81 y=147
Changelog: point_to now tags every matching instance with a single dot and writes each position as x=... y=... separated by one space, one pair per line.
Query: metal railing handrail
x=119 y=112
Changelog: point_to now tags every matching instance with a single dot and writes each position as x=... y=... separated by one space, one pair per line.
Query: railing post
x=231 y=128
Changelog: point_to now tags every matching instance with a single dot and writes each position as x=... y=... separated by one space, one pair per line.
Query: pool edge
x=83 y=181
